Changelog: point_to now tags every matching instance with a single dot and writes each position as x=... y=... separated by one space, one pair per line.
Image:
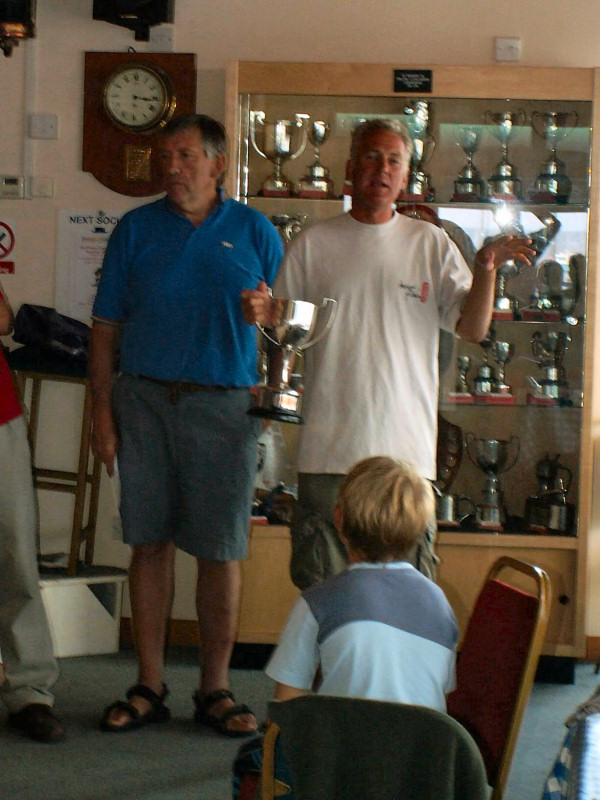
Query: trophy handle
x=535 y=117
x=260 y=116
x=266 y=335
x=328 y=301
x=517 y=451
x=300 y=120
x=470 y=438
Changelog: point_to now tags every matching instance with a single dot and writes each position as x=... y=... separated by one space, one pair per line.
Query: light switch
x=43 y=126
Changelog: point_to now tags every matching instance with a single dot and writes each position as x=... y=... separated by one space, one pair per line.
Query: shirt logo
x=227 y=244
x=421 y=294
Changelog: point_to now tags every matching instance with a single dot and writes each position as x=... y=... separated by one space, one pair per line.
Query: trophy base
x=540 y=315
x=490 y=527
x=274 y=414
x=495 y=399
x=275 y=192
x=462 y=398
x=276 y=404
x=314 y=194
x=546 y=197
x=504 y=197
x=505 y=314
x=468 y=197
x=535 y=400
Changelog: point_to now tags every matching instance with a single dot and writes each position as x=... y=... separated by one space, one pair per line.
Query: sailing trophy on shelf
x=493 y=457
x=316 y=183
x=549 y=352
x=278 y=140
x=557 y=290
x=548 y=511
x=417 y=120
x=469 y=186
x=505 y=183
x=462 y=390
x=503 y=352
x=277 y=396
x=505 y=305
x=553 y=185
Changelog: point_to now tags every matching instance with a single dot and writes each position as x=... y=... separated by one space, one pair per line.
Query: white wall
x=553 y=33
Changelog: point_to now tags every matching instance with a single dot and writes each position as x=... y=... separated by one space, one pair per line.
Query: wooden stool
x=28 y=364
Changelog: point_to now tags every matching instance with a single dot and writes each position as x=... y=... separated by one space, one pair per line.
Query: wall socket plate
x=508 y=48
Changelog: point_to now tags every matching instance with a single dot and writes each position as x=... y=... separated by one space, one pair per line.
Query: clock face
x=138 y=98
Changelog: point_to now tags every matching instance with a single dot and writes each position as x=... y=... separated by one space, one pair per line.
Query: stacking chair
x=341 y=748
x=497 y=662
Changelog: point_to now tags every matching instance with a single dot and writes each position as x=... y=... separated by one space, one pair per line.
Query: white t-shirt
x=371 y=384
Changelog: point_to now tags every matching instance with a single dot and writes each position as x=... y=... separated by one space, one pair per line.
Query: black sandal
x=158 y=711
x=219 y=724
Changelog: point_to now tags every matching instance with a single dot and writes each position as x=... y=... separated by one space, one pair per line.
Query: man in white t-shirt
x=371 y=384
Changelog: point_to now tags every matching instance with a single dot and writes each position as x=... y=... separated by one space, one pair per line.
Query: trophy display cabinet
x=497 y=150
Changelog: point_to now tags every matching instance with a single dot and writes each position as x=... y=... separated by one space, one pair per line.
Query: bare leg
x=151 y=579
x=218 y=606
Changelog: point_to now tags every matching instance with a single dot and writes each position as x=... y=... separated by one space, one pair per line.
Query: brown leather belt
x=184 y=387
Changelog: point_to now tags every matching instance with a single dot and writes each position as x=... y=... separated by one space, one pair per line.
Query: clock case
x=124 y=160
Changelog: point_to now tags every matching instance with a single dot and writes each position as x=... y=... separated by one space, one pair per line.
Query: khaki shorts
x=317 y=551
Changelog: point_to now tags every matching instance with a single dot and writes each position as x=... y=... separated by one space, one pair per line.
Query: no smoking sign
x=7 y=244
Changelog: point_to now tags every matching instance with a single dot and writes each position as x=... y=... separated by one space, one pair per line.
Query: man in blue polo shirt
x=175 y=415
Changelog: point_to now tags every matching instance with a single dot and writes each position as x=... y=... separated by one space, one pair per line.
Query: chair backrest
x=497 y=663
x=341 y=748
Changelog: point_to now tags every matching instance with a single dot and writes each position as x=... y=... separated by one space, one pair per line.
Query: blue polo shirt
x=175 y=289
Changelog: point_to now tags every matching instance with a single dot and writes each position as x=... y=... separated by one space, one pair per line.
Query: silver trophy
x=505 y=183
x=462 y=387
x=289 y=225
x=548 y=352
x=553 y=184
x=278 y=396
x=505 y=305
x=485 y=379
x=417 y=120
x=278 y=140
x=503 y=353
x=317 y=183
x=492 y=456
x=469 y=186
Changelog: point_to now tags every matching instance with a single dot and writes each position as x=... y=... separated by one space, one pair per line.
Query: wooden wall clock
x=128 y=98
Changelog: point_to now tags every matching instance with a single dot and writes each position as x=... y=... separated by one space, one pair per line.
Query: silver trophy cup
x=492 y=456
x=553 y=184
x=469 y=186
x=417 y=119
x=278 y=140
x=317 y=183
x=279 y=397
x=505 y=183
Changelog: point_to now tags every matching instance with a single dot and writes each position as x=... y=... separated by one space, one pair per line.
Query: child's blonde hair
x=384 y=508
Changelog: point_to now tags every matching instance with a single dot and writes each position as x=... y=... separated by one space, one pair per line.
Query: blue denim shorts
x=188 y=468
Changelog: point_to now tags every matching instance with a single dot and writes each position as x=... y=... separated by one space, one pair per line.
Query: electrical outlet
x=508 y=48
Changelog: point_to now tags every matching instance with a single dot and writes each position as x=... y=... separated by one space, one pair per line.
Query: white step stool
x=84 y=610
